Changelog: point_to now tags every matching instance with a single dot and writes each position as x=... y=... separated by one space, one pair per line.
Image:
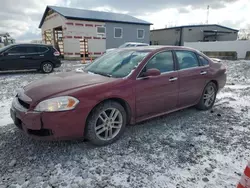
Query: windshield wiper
x=90 y=72
x=104 y=74
x=100 y=73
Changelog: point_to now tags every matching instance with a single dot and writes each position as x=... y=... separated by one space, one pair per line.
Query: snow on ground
x=186 y=149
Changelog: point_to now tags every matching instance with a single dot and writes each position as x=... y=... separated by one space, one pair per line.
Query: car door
x=35 y=55
x=192 y=78
x=14 y=58
x=155 y=95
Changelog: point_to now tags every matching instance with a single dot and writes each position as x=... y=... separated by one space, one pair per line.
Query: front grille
x=24 y=104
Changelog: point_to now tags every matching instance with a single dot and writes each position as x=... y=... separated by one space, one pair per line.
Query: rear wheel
x=47 y=67
x=106 y=123
x=208 y=97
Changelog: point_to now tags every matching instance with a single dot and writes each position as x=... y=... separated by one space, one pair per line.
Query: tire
x=47 y=67
x=99 y=125
x=209 y=92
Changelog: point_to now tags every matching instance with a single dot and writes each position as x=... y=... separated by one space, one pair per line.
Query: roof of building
x=90 y=15
x=201 y=25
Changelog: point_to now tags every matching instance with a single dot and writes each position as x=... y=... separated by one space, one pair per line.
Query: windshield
x=4 y=48
x=116 y=64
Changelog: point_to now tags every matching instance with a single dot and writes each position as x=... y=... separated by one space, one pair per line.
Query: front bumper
x=48 y=125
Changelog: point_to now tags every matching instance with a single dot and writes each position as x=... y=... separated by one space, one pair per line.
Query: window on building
x=140 y=33
x=187 y=59
x=101 y=31
x=162 y=61
x=156 y=43
x=203 y=61
x=118 y=32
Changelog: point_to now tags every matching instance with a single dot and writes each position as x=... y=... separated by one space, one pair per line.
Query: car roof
x=158 y=48
x=135 y=43
x=30 y=44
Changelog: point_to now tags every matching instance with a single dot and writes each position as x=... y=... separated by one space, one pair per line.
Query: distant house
x=192 y=33
x=67 y=27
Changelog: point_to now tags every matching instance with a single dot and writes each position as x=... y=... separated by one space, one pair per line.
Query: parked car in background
x=29 y=56
x=122 y=87
x=128 y=44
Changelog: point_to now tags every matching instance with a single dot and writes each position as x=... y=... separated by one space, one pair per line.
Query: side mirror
x=5 y=53
x=151 y=73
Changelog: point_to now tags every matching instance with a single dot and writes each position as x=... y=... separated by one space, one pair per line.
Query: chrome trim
x=173 y=79
x=203 y=72
x=18 y=106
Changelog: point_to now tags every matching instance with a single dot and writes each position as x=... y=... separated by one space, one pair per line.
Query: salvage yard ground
x=186 y=149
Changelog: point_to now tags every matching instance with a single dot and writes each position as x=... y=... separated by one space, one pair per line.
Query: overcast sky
x=21 y=18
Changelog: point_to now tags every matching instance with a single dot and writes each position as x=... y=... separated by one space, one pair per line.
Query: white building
x=67 y=27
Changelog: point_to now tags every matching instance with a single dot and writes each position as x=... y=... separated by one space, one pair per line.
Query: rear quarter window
x=203 y=60
x=42 y=49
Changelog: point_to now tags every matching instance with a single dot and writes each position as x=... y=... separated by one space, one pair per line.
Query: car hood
x=54 y=84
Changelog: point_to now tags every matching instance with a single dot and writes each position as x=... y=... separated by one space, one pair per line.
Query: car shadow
x=4 y=73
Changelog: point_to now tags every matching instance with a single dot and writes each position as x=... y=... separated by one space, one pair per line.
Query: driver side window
x=162 y=61
x=17 y=50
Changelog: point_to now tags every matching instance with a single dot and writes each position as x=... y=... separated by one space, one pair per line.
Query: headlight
x=57 y=104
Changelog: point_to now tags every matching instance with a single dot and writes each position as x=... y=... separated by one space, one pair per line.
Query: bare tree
x=244 y=34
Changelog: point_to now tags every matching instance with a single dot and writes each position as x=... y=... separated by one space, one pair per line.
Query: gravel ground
x=186 y=149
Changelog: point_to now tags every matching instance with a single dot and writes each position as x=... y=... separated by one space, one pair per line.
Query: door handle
x=173 y=79
x=203 y=72
x=41 y=55
x=22 y=56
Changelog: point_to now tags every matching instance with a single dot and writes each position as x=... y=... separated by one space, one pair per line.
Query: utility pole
x=208 y=7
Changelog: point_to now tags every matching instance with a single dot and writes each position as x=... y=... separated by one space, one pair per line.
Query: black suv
x=29 y=56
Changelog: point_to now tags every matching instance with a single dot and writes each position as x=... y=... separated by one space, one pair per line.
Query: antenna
x=208 y=7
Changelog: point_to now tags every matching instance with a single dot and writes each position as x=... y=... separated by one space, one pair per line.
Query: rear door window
x=187 y=59
x=31 y=50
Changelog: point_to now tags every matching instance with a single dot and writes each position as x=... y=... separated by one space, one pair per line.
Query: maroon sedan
x=122 y=87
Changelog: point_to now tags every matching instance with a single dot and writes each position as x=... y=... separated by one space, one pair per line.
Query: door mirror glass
x=151 y=72
x=5 y=54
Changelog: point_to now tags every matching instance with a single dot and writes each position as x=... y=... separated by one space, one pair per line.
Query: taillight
x=56 y=53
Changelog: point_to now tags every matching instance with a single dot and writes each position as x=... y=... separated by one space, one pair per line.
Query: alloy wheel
x=108 y=124
x=209 y=96
x=47 y=67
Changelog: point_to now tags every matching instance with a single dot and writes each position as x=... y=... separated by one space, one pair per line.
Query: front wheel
x=208 y=97
x=106 y=123
x=47 y=67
